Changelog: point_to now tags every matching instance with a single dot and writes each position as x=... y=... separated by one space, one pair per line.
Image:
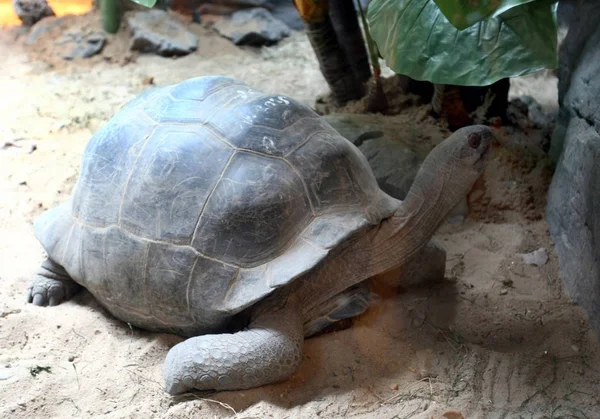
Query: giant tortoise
x=241 y=220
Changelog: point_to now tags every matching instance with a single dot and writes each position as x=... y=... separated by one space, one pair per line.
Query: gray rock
x=395 y=163
x=44 y=26
x=582 y=22
x=256 y=27
x=80 y=45
x=358 y=128
x=526 y=112
x=5 y=374
x=155 y=31
x=537 y=257
x=32 y=11
x=283 y=10
x=573 y=213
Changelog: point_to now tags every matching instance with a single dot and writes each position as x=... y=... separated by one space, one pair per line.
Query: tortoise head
x=470 y=147
x=450 y=170
x=459 y=160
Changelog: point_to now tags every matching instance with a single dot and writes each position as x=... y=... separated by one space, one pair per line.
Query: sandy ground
x=497 y=339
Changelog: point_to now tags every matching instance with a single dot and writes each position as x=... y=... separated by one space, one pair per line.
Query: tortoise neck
x=385 y=247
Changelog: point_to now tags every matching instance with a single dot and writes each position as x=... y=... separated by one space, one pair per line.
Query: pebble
x=394 y=387
x=504 y=292
x=71 y=358
x=538 y=257
x=5 y=374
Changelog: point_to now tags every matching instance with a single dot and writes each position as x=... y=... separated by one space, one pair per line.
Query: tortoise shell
x=197 y=200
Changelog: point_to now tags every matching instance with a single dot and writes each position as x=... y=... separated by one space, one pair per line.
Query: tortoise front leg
x=51 y=285
x=268 y=351
x=348 y=304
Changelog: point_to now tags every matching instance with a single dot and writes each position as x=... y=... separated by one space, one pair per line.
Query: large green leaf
x=147 y=3
x=464 y=13
x=416 y=39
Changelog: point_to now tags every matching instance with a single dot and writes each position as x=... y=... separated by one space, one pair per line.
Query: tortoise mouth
x=482 y=158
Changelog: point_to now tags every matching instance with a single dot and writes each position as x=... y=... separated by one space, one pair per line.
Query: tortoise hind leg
x=270 y=350
x=346 y=305
x=51 y=285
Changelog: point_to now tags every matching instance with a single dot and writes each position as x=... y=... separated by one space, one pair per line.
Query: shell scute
x=255 y=211
x=171 y=182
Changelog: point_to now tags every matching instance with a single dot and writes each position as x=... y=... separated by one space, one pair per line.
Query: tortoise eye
x=474 y=140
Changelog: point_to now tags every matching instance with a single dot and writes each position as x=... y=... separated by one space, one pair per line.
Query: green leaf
x=147 y=3
x=417 y=40
x=464 y=13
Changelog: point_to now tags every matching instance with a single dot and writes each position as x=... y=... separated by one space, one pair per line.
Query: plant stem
x=376 y=99
x=370 y=43
x=111 y=15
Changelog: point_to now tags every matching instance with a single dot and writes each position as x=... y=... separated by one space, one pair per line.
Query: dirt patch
x=497 y=339
x=395 y=91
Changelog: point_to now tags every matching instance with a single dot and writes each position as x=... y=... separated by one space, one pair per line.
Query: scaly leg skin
x=348 y=304
x=268 y=351
x=426 y=267
x=51 y=285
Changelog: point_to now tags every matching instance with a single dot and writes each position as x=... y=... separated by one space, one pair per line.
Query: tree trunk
x=333 y=62
x=345 y=23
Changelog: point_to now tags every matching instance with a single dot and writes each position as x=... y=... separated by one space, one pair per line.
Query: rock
x=155 y=31
x=44 y=26
x=357 y=128
x=5 y=374
x=581 y=21
x=538 y=257
x=394 y=163
x=255 y=27
x=572 y=212
x=78 y=45
x=284 y=10
x=527 y=113
x=537 y=115
x=32 y=11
